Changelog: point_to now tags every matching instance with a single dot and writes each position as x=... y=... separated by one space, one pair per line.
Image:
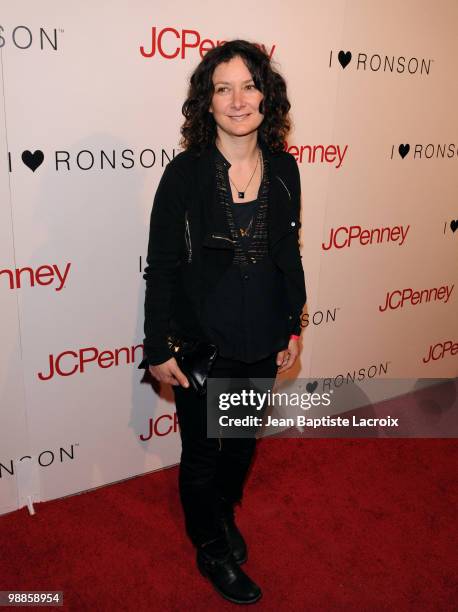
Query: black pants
x=211 y=468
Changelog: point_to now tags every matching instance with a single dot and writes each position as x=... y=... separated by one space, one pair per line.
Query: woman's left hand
x=287 y=358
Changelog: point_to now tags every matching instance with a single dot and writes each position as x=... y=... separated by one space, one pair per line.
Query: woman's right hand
x=169 y=372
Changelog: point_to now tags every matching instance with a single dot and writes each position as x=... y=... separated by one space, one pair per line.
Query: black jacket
x=190 y=247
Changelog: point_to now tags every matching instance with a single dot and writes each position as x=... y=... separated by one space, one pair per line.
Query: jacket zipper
x=188 y=238
x=282 y=182
x=222 y=237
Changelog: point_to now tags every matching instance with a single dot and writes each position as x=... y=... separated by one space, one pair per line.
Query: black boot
x=216 y=562
x=234 y=537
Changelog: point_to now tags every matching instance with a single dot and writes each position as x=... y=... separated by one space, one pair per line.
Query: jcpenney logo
x=23 y=37
x=425 y=151
x=51 y=274
x=71 y=362
x=347 y=236
x=163 y=425
x=170 y=43
x=402 y=297
x=448 y=348
x=374 y=62
x=86 y=159
x=44 y=458
x=318 y=154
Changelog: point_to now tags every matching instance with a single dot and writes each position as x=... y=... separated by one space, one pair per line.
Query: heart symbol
x=33 y=160
x=344 y=58
x=454 y=225
x=311 y=386
x=403 y=150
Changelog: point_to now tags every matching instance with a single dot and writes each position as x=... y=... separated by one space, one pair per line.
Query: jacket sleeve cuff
x=155 y=356
x=296 y=331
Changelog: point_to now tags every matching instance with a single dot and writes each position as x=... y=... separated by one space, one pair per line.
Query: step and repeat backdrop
x=91 y=97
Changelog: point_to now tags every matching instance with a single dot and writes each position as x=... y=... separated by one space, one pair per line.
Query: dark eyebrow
x=227 y=83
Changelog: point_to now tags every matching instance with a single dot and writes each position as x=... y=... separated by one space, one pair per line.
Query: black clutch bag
x=195 y=359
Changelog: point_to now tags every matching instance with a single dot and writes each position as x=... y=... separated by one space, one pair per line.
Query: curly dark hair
x=199 y=129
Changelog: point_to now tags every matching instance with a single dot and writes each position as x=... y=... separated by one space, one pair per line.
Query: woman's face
x=235 y=102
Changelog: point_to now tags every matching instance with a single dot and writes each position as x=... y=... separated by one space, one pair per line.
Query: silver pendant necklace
x=241 y=194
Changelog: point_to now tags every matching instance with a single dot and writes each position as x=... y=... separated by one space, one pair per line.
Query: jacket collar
x=279 y=208
x=217 y=153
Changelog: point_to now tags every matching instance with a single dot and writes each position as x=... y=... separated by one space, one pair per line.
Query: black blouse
x=246 y=315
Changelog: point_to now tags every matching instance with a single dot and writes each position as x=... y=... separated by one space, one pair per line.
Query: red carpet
x=331 y=525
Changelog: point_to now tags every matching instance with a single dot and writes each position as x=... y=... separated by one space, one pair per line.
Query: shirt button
x=293 y=223
x=245 y=276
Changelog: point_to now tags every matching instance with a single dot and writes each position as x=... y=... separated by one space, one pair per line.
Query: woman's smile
x=239 y=118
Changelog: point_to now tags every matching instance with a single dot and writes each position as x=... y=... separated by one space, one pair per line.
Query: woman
x=224 y=266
